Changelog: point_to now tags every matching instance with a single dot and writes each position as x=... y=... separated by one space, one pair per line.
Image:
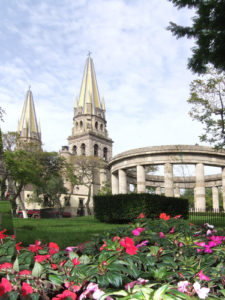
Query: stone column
x=168 y=179
x=115 y=184
x=177 y=191
x=122 y=182
x=200 y=187
x=103 y=177
x=215 y=198
x=158 y=190
x=223 y=186
x=141 y=185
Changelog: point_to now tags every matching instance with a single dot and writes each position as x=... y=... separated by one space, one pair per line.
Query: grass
x=65 y=232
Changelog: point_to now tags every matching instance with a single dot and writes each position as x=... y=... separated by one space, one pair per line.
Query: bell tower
x=89 y=134
x=28 y=129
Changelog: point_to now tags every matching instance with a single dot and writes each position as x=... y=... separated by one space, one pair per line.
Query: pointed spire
x=76 y=102
x=89 y=98
x=28 y=127
x=103 y=103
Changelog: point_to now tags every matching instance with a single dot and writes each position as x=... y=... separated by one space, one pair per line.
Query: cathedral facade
x=89 y=138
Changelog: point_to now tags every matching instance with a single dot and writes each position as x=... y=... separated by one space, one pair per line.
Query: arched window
x=105 y=154
x=75 y=150
x=101 y=127
x=83 y=149
x=96 y=125
x=81 y=124
x=95 y=150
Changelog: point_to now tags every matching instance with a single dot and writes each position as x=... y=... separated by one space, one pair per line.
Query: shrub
x=7 y=222
x=123 y=208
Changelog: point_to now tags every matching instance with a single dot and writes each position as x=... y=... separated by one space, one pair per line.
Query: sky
x=141 y=68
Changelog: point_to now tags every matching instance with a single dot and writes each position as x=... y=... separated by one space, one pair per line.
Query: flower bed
x=163 y=259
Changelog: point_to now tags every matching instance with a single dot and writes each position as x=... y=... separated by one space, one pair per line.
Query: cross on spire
x=89 y=53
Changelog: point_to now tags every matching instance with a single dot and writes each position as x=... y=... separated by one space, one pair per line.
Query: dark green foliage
x=7 y=222
x=208 y=31
x=123 y=208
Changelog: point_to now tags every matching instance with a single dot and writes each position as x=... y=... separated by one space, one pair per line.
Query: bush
x=123 y=208
x=7 y=222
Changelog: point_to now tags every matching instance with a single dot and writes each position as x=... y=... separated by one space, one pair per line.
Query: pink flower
x=2 y=235
x=103 y=246
x=6 y=266
x=140 y=281
x=201 y=292
x=143 y=243
x=65 y=295
x=92 y=291
x=141 y=216
x=129 y=246
x=25 y=272
x=182 y=286
x=137 y=231
x=36 y=247
x=70 y=248
x=5 y=286
x=40 y=258
x=172 y=230
x=181 y=244
x=202 y=276
x=26 y=289
x=177 y=217
x=53 y=248
x=161 y=235
x=75 y=261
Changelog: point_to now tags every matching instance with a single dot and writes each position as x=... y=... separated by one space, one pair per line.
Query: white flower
x=202 y=292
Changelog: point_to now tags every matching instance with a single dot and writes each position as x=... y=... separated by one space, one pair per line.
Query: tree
x=207 y=97
x=50 y=186
x=208 y=30
x=9 y=140
x=22 y=169
x=85 y=169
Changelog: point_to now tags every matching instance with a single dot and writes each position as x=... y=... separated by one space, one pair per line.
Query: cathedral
x=89 y=136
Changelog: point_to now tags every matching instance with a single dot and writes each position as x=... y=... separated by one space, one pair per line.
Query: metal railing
x=214 y=217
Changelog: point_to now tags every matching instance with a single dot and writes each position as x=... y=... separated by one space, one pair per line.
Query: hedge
x=7 y=221
x=123 y=208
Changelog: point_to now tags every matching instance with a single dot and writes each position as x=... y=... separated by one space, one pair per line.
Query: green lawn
x=65 y=232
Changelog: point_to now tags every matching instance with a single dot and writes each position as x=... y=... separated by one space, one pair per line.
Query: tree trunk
x=87 y=204
x=25 y=216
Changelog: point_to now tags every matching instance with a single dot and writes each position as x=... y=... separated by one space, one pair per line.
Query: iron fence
x=214 y=217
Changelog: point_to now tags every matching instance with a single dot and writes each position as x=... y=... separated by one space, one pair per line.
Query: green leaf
x=73 y=255
x=84 y=259
x=158 y=293
x=16 y=265
x=12 y=295
x=34 y=296
x=56 y=279
x=37 y=270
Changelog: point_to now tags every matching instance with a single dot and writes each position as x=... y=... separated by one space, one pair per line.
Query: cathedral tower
x=89 y=134
x=28 y=128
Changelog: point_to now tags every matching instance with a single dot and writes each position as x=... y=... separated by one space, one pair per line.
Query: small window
x=101 y=127
x=81 y=124
x=95 y=150
x=75 y=150
x=105 y=154
x=83 y=149
x=96 y=125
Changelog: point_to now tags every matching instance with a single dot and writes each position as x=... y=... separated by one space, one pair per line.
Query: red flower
x=26 y=289
x=54 y=266
x=2 y=235
x=53 y=248
x=164 y=216
x=103 y=246
x=18 y=247
x=65 y=295
x=5 y=286
x=141 y=216
x=40 y=258
x=129 y=246
x=36 y=247
x=62 y=263
x=177 y=217
x=25 y=272
x=6 y=266
x=75 y=261
x=116 y=238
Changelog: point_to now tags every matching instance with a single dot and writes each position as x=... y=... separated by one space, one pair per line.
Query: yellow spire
x=28 y=127
x=89 y=95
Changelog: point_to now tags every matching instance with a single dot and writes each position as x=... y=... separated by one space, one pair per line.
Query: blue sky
x=141 y=68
